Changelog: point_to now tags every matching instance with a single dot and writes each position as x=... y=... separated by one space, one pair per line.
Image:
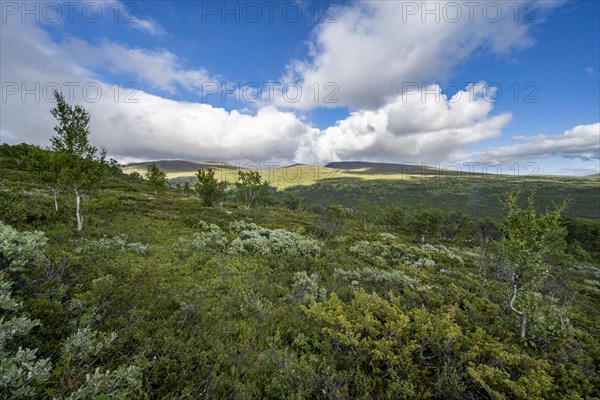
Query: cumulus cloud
x=376 y=47
x=581 y=142
x=425 y=126
x=133 y=124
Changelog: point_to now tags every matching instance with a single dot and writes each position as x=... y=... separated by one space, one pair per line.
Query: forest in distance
x=139 y=282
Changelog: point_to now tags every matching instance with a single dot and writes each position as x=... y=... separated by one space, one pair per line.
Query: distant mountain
x=180 y=165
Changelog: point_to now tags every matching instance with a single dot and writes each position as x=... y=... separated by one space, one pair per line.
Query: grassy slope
x=219 y=287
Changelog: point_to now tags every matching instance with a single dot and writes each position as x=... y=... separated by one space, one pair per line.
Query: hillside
x=166 y=298
x=354 y=182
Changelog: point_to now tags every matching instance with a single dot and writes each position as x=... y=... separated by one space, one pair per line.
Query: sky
x=513 y=85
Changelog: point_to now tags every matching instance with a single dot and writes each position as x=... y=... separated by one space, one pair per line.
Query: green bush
x=21 y=249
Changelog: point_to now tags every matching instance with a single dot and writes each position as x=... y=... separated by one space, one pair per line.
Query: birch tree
x=531 y=241
x=80 y=166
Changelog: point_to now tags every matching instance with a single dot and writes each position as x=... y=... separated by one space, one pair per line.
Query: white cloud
x=581 y=142
x=128 y=13
x=589 y=70
x=417 y=127
x=377 y=46
x=154 y=127
x=159 y=69
x=149 y=26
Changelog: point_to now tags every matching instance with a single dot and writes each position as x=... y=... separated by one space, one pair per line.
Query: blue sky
x=376 y=60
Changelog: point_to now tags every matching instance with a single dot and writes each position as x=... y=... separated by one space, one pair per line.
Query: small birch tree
x=81 y=168
x=531 y=240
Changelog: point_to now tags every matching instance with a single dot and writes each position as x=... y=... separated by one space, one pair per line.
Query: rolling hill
x=350 y=183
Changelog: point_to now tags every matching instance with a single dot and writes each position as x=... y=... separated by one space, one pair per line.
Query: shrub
x=375 y=276
x=241 y=225
x=386 y=252
x=264 y=242
x=81 y=352
x=119 y=243
x=211 y=239
x=21 y=249
x=306 y=288
x=20 y=371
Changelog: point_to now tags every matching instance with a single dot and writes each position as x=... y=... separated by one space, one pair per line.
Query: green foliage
x=385 y=351
x=19 y=250
x=149 y=302
x=456 y=225
x=21 y=372
x=251 y=190
x=369 y=214
x=48 y=165
x=210 y=190
x=375 y=277
x=210 y=239
x=72 y=130
x=75 y=161
x=293 y=202
x=120 y=384
x=306 y=288
x=427 y=223
x=119 y=243
x=331 y=220
x=251 y=239
x=388 y=251
x=157 y=179
x=394 y=217
x=277 y=241
x=532 y=241
x=81 y=353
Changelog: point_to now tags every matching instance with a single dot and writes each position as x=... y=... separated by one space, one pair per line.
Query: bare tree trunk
x=55 y=194
x=78 y=213
x=521 y=314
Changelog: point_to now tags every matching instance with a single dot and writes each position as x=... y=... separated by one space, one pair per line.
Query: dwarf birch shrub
x=81 y=352
x=211 y=239
x=264 y=242
x=444 y=255
x=306 y=288
x=256 y=242
x=251 y=239
x=21 y=373
x=121 y=383
x=279 y=241
x=383 y=253
x=119 y=243
x=378 y=277
x=21 y=249
x=422 y=263
x=240 y=226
